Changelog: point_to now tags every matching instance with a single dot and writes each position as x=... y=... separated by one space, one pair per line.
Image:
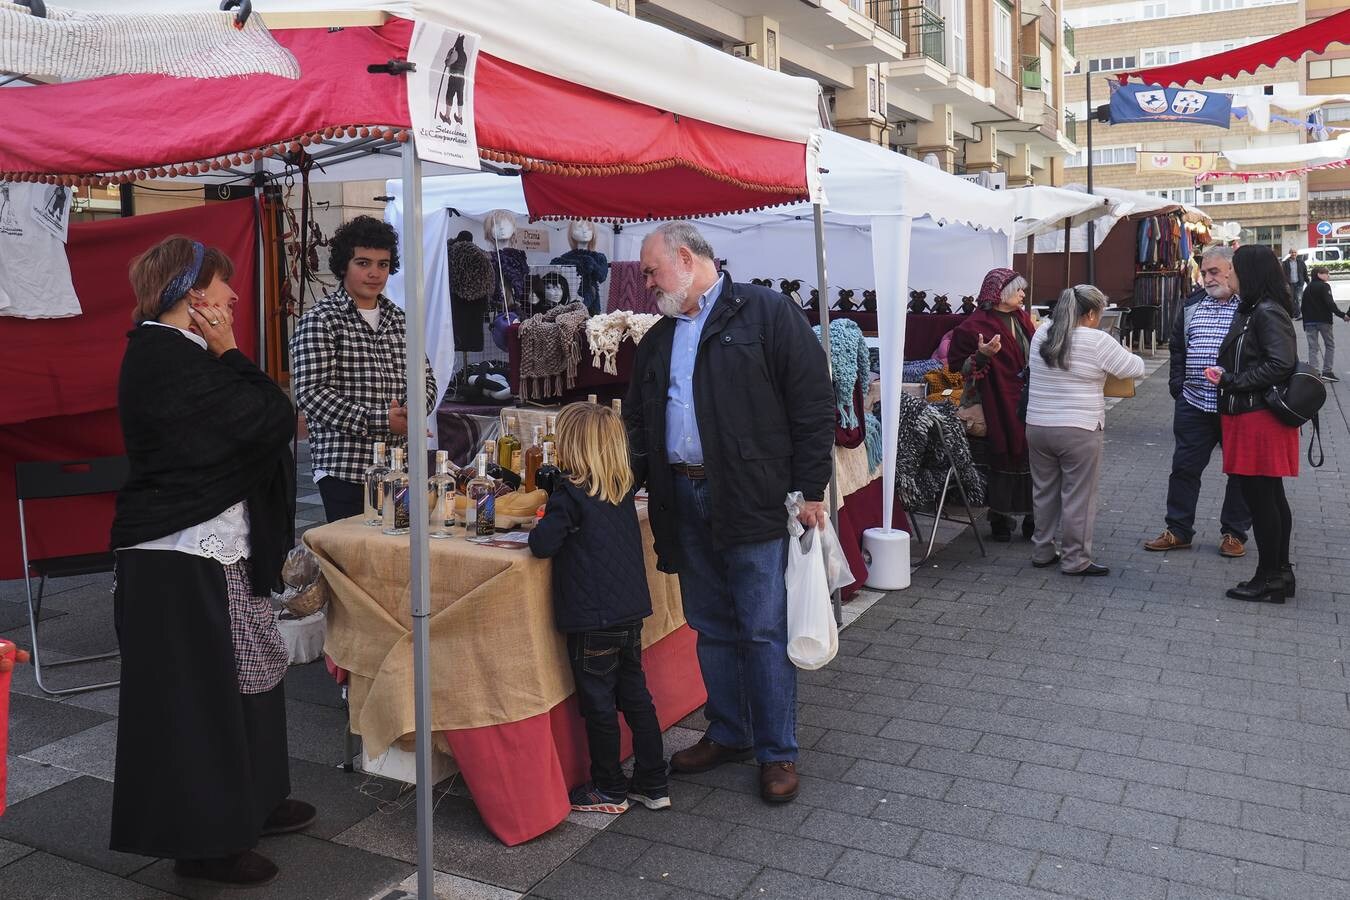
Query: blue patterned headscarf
x=184 y=280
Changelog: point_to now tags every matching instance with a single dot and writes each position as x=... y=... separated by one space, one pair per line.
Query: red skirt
x=1257 y=443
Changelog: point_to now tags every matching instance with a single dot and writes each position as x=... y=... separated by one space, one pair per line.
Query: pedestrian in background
x=1066 y=415
x=1319 y=308
x=1260 y=451
x=1193 y=347
x=1296 y=273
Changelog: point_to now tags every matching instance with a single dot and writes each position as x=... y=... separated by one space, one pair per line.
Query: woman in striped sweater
x=1066 y=412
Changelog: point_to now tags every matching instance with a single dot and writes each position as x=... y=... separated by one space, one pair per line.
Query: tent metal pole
x=258 y=192
x=420 y=576
x=1091 y=225
x=1031 y=268
x=1068 y=253
x=822 y=287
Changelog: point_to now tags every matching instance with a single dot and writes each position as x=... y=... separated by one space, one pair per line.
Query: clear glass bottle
x=396 y=519
x=442 y=489
x=480 y=512
x=617 y=405
x=549 y=474
x=550 y=433
x=534 y=456
x=376 y=472
x=592 y=398
x=508 y=444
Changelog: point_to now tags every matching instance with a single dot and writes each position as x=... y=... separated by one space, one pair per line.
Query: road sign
x=1324 y=228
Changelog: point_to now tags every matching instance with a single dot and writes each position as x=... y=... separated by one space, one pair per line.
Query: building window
x=1220 y=5
x=1003 y=44
x=1155 y=10
x=1329 y=68
x=1337 y=113
x=1175 y=195
x=1161 y=56
x=954 y=11
x=1104 y=156
x=1110 y=63
x=1047 y=71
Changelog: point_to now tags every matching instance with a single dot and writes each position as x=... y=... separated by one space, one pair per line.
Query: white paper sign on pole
x=440 y=94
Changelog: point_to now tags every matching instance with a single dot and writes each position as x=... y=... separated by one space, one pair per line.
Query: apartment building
x=1328 y=73
x=971 y=85
x=1120 y=36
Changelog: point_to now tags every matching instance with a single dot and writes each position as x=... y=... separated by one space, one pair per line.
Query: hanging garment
x=472 y=278
x=628 y=289
x=509 y=266
x=593 y=267
x=34 y=272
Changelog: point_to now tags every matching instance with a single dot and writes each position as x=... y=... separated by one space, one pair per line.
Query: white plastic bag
x=838 y=574
x=813 y=637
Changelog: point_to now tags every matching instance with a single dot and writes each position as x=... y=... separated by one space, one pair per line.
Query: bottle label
x=486 y=518
x=401 y=517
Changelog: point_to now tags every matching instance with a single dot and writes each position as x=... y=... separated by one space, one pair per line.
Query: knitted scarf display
x=550 y=351
x=605 y=332
x=852 y=368
x=593 y=267
x=920 y=463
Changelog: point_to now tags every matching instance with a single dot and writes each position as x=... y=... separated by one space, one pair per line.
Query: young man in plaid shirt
x=348 y=366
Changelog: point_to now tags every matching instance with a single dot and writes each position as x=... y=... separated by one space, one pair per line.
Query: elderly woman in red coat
x=990 y=349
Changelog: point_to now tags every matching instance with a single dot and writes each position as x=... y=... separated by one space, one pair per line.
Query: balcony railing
x=1071 y=127
x=923 y=30
x=1068 y=38
x=1031 y=73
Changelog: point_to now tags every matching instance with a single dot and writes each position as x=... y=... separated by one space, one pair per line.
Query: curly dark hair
x=363 y=231
x=1260 y=277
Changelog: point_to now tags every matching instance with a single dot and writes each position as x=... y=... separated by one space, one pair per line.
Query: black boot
x=1028 y=527
x=1287 y=572
x=1000 y=527
x=1264 y=587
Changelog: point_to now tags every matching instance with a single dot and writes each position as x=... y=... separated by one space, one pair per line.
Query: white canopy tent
x=890 y=222
x=1040 y=209
x=1124 y=203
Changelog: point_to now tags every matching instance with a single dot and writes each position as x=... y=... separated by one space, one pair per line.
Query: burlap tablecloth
x=495 y=654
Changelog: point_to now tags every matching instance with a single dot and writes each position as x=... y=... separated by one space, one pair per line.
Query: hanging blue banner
x=1150 y=103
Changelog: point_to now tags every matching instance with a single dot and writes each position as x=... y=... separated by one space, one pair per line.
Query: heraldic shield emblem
x=1152 y=101
x=1188 y=103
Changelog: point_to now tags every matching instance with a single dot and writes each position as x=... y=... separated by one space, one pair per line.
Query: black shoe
x=290 y=815
x=1091 y=569
x=1263 y=588
x=1047 y=564
x=1329 y=375
x=247 y=869
x=1287 y=572
x=1028 y=527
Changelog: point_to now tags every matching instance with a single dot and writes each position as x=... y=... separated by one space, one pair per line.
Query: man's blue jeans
x=735 y=598
x=1197 y=433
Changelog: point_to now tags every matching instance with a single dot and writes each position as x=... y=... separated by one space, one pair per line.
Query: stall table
x=502 y=692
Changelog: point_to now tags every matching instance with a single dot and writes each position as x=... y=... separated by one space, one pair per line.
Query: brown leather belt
x=694 y=472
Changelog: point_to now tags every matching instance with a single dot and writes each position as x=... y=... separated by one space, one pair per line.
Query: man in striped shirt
x=1199 y=330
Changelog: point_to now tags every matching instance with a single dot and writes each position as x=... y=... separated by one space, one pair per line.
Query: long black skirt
x=200 y=766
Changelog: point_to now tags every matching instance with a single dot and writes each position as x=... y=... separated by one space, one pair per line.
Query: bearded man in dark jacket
x=730 y=409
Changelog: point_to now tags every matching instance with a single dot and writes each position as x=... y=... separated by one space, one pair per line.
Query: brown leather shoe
x=290 y=815
x=778 y=782
x=1231 y=547
x=707 y=754
x=247 y=869
x=1167 y=541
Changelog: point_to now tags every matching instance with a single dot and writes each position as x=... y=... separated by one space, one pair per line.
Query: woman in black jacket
x=202 y=527
x=1259 y=450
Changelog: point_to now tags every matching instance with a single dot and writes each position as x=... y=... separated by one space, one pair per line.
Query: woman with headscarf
x=990 y=348
x=202 y=527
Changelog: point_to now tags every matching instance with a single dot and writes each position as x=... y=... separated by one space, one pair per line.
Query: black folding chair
x=51 y=481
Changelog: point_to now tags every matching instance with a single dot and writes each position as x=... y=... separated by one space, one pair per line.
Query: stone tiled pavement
x=996 y=732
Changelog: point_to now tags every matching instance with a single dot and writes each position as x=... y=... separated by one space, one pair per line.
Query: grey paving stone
x=315 y=732
x=466 y=848
x=1241 y=787
x=611 y=850
x=934 y=815
x=1149 y=858
x=1270 y=883
x=966 y=765
x=342 y=799
x=1295 y=824
x=310 y=869
x=10 y=852
x=749 y=809
x=976 y=857
x=714 y=875
x=1118 y=820
x=1063 y=781
x=675 y=827
x=89 y=752
x=28 y=778
x=974 y=887
x=579 y=880
x=859 y=832
x=1187 y=804
x=49 y=822
x=46 y=875
x=1333 y=862
x=311 y=683
x=928 y=734
x=797 y=855
x=893 y=877
x=773 y=883
x=898 y=779
x=1131 y=769
x=1048 y=837
x=861 y=747
x=1080 y=879
x=1245 y=845
x=1048 y=754
x=1004 y=798
x=35 y=723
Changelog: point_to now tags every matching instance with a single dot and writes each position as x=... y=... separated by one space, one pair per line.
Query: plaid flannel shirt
x=344 y=376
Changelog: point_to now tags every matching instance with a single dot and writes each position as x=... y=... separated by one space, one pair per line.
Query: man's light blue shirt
x=682 y=439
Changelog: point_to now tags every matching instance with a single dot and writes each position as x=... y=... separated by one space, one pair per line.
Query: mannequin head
x=498 y=226
x=581 y=234
x=549 y=290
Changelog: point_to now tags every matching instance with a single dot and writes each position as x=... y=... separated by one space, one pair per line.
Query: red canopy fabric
x=592 y=151
x=1311 y=38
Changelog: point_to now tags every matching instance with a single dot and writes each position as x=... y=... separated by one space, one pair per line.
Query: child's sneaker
x=589 y=798
x=652 y=798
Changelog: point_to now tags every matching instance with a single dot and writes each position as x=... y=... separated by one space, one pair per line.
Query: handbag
x=1118 y=387
x=1297 y=402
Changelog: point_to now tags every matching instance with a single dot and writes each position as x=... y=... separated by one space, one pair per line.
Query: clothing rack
x=969 y=520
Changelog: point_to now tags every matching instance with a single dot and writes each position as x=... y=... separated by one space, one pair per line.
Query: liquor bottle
x=549 y=475
x=617 y=405
x=508 y=443
x=396 y=520
x=490 y=449
x=442 y=490
x=592 y=398
x=533 y=457
x=376 y=472
x=504 y=475
x=550 y=432
x=480 y=512
x=517 y=462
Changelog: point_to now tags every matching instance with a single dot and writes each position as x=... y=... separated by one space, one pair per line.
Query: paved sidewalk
x=996 y=732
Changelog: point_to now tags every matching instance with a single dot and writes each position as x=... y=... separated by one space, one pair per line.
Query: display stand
x=952 y=476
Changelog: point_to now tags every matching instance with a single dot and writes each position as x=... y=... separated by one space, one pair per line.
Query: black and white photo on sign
x=9 y=218
x=440 y=94
x=52 y=210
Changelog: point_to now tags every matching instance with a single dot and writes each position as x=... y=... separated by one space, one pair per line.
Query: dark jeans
x=607 y=668
x=1296 y=294
x=341 y=499
x=1272 y=521
x=1197 y=433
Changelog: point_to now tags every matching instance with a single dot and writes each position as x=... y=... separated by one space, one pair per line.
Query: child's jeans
x=607 y=667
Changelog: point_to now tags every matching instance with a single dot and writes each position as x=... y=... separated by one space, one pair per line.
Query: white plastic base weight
x=400 y=765
x=886 y=553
